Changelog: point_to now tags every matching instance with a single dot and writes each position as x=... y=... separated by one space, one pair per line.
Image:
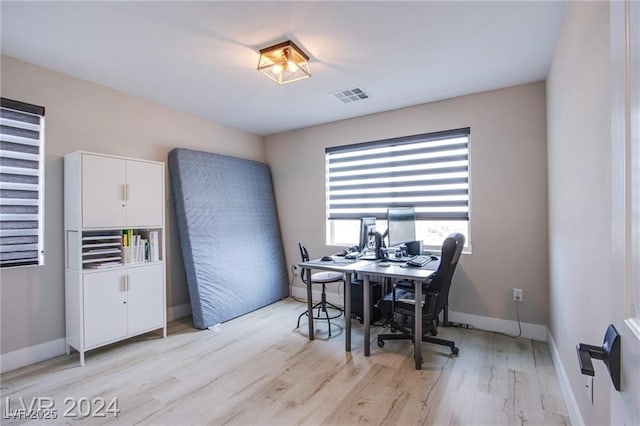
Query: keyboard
x=419 y=260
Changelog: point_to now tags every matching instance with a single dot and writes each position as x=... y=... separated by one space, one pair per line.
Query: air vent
x=350 y=95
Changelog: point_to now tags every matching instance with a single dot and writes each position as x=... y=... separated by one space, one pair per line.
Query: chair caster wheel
x=381 y=343
x=455 y=350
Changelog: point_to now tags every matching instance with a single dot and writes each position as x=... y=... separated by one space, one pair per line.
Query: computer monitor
x=401 y=225
x=367 y=225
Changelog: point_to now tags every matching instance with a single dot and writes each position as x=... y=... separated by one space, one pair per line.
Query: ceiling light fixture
x=284 y=63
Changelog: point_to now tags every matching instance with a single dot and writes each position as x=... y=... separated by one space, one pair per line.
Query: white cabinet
x=121 y=192
x=103 y=191
x=145 y=298
x=122 y=302
x=105 y=309
x=145 y=194
x=113 y=292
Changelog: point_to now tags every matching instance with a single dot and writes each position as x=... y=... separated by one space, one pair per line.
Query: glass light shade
x=276 y=69
x=284 y=63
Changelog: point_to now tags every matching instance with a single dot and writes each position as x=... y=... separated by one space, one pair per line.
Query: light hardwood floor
x=258 y=369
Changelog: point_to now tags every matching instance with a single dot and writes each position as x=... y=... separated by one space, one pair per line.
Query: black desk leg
x=310 y=304
x=347 y=310
x=417 y=335
x=366 y=290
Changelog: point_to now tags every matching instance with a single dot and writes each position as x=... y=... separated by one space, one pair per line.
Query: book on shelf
x=154 y=249
x=128 y=239
x=139 y=249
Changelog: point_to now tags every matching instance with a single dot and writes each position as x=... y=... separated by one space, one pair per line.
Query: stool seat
x=327 y=277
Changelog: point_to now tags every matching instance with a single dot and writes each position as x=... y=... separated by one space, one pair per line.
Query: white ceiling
x=201 y=57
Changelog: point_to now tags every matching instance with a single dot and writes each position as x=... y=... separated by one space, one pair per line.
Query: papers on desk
x=368 y=257
x=342 y=261
x=399 y=259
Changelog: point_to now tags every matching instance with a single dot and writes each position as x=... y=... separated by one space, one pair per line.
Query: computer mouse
x=326 y=258
x=434 y=257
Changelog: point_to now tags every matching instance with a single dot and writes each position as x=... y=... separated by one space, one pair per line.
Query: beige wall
x=508 y=180
x=578 y=109
x=508 y=184
x=85 y=116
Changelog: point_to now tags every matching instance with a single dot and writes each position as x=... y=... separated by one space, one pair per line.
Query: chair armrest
x=432 y=298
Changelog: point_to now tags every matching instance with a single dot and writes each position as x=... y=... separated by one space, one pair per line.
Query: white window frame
x=19 y=152
x=438 y=190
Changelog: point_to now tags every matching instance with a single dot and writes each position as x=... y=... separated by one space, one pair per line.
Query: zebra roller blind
x=21 y=184
x=429 y=172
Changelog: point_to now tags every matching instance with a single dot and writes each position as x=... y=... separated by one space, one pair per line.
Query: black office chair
x=322 y=278
x=435 y=295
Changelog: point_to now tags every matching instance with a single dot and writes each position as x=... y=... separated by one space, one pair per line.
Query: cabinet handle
x=126 y=282
x=125 y=192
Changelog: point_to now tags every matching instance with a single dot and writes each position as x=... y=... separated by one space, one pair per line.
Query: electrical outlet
x=517 y=295
x=294 y=269
x=588 y=387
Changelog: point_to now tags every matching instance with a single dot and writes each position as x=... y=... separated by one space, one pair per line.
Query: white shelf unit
x=101 y=249
x=111 y=295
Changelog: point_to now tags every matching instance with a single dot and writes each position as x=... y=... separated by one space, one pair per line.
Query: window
x=429 y=172
x=21 y=184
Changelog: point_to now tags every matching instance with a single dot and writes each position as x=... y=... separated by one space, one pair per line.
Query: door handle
x=609 y=353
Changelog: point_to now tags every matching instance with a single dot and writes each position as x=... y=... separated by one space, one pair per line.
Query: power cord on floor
x=472 y=327
x=294 y=274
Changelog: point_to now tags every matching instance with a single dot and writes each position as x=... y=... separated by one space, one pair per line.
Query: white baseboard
x=529 y=331
x=178 y=311
x=565 y=385
x=32 y=354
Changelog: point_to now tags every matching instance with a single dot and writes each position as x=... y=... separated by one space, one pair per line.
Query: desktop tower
x=357 y=302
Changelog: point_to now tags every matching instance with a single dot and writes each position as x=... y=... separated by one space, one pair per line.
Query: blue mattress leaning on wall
x=229 y=234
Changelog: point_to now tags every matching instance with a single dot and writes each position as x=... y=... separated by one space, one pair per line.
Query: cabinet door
x=105 y=307
x=145 y=196
x=103 y=190
x=146 y=298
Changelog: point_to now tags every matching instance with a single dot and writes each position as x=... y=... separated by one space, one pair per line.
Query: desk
x=368 y=269
x=396 y=272
x=348 y=268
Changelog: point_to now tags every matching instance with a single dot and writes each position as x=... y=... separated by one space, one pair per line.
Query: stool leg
x=300 y=316
x=323 y=299
x=320 y=305
x=324 y=306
